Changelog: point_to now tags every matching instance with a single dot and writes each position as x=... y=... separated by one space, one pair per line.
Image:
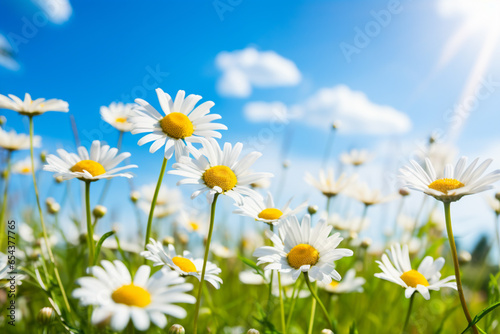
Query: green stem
x=456 y=265
x=90 y=226
x=407 y=320
x=5 y=198
x=296 y=290
x=270 y=292
x=316 y=298
x=44 y=228
x=207 y=250
x=497 y=232
x=153 y=202
x=282 y=305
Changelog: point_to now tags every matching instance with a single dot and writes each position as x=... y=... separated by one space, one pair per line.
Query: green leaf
x=480 y=315
x=353 y=329
x=253 y=265
x=99 y=244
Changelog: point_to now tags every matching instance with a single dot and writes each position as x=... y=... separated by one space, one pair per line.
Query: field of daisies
x=304 y=269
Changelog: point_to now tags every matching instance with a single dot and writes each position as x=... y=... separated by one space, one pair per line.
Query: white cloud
x=356 y=113
x=247 y=68
x=259 y=111
x=57 y=11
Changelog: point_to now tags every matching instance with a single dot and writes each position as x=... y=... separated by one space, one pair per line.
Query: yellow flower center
x=121 y=120
x=177 y=125
x=184 y=264
x=334 y=284
x=25 y=170
x=445 y=185
x=413 y=278
x=131 y=295
x=194 y=226
x=91 y=166
x=270 y=214
x=220 y=176
x=302 y=254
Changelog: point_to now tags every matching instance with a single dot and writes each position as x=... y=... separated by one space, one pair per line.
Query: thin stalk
x=497 y=232
x=282 y=305
x=407 y=320
x=270 y=293
x=5 y=198
x=316 y=298
x=456 y=265
x=153 y=202
x=42 y=222
x=296 y=290
x=90 y=226
x=207 y=250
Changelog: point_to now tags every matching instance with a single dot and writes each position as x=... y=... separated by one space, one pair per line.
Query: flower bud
x=326 y=331
x=464 y=257
x=253 y=331
x=335 y=125
x=52 y=206
x=176 y=329
x=404 y=192
x=497 y=196
x=59 y=179
x=286 y=164
x=99 y=211
x=366 y=242
x=312 y=209
x=45 y=316
x=3 y=120
x=43 y=156
x=134 y=196
x=168 y=240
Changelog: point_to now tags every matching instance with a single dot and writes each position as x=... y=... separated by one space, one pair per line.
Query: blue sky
x=106 y=49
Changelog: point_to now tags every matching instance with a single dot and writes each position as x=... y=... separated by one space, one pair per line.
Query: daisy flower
x=143 y=300
x=298 y=248
x=249 y=277
x=327 y=183
x=13 y=141
x=440 y=154
x=99 y=164
x=219 y=171
x=31 y=107
x=266 y=211
x=355 y=157
x=494 y=204
x=117 y=115
x=368 y=196
x=396 y=268
x=456 y=183
x=168 y=202
x=179 y=125
x=350 y=283
x=222 y=251
x=22 y=167
x=184 y=265
x=193 y=221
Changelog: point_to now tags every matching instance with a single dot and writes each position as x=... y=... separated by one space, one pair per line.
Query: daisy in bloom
x=117 y=115
x=168 y=202
x=99 y=164
x=327 y=183
x=184 y=265
x=440 y=154
x=143 y=300
x=349 y=283
x=367 y=196
x=222 y=251
x=193 y=221
x=22 y=167
x=298 y=248
x=266 y=211
x=219 y=171
x=355 y=157
x=31 y=107
x=396 y=268
x=494 y=204
x=179 y=124
x=354 y=224
x=456 y=183
x=13 y=141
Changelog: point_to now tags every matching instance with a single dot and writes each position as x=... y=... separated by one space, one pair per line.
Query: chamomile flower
x=117 y=115
x=184 y=265
x=219 y=171
x=179 y=125
x=13 y=141
x=368 y=196
x=99 y=164
x=457 y=182
x=355 y=157
x=193 y=221
x=327 y=183
x=266 y=211
x=143 y=300
x=22 y=167
x=168 y=202
x=298 y=248
x=397 y=268
x=31 y=107
x=222 y=251
x=349 y=283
